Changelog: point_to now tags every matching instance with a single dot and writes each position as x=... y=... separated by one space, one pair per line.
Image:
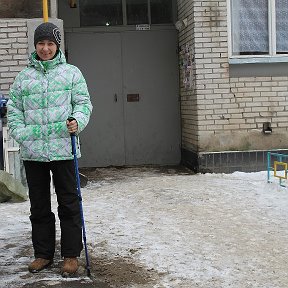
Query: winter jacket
x=42 y=97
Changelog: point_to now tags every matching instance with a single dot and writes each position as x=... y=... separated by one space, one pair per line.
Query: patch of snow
x=204 y=230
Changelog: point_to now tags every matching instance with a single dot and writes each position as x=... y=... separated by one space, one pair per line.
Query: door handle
x=115 y=97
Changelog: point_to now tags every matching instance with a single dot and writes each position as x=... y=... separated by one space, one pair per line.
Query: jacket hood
x=46 y=65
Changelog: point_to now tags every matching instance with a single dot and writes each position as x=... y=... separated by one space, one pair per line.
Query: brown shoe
x=70 y=267
x=39 y=264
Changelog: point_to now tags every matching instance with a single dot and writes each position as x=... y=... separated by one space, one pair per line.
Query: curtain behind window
x=282 y=26
x=250 y=27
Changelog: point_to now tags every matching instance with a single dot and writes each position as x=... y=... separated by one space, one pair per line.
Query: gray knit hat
x=47 y=31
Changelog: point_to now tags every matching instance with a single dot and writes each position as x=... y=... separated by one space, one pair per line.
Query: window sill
x=259 y=60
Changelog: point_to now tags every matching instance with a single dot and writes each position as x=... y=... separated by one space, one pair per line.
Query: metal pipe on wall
x=45 y=10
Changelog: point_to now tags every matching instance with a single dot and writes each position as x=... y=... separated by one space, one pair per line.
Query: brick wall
x=221 y=113
x=13 y=51
x=189 y=111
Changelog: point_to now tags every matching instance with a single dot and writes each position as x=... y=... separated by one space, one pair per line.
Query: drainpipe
x=45 y=10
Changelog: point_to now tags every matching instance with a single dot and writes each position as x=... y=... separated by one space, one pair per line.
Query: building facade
x=225 y=111
x=234 y=97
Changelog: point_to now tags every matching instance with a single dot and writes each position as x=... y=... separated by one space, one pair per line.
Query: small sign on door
x=142 y=27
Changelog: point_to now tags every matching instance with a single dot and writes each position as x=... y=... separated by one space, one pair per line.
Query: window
x=161 y=11
x=122 y=12
x=137 y=12
x=101 y=12
x=21 y=9
x=259 y=27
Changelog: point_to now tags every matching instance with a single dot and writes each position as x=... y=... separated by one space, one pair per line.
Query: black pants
x=43 y=219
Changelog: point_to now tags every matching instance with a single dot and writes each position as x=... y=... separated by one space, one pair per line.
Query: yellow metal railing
x=280 y=167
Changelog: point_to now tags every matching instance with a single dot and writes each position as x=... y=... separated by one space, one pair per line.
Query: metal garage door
x=133 y=81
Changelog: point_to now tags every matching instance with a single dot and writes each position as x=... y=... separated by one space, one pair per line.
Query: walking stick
x=73 y=142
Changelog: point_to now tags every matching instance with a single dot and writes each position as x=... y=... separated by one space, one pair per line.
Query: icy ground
x=162 y=228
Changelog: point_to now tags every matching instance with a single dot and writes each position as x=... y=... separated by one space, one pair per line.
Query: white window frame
x=272 y=57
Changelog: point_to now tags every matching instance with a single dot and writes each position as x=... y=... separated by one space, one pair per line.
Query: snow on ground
x=161 y=229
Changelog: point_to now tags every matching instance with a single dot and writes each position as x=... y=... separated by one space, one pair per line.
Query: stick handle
x=70 y=118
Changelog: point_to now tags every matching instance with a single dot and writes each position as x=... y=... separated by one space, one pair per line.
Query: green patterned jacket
x=42 y=97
